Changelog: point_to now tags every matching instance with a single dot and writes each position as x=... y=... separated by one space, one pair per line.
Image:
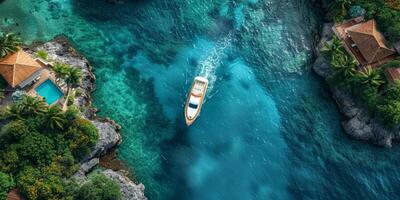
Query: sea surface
x=268 y=129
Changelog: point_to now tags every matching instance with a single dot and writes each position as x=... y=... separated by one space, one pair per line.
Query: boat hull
x=195 y=100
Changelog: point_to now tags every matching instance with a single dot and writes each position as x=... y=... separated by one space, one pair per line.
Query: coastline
x=60 y=49
x=357 y=123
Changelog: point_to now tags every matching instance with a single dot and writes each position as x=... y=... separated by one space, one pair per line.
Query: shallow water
x=268 y=129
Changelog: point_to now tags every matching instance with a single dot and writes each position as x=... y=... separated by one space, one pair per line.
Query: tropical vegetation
x=99 y=187
x=386 y=12
x=71 y=75
x=41 y=145
x=9 y=43
x=6 y=184
x=40 y=149
x=368 y=85
x=42 y=54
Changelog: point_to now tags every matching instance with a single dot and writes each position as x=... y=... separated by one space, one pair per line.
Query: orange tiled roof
x=17 y=67
x=370 y=41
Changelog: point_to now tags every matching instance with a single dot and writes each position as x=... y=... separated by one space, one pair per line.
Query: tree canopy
x=99 y=187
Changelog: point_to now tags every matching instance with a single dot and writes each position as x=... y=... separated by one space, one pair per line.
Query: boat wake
x=208 y=66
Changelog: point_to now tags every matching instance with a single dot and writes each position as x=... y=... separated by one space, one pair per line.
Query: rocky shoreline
x=59 y=49
x=357 y=123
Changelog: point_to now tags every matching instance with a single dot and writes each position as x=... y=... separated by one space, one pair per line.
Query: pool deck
x=46 y=73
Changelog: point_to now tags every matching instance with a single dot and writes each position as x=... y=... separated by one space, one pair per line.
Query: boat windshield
x=194 y=106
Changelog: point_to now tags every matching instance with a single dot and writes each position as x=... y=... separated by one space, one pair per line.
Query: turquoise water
x=49 y=91
x=268 y=129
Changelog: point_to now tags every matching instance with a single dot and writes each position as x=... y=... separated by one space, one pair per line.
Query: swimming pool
x=49 y=91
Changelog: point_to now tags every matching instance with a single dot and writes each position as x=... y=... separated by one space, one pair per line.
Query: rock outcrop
x=60 y=50
x=129 y=189
x=357 y=123
x=109 y=138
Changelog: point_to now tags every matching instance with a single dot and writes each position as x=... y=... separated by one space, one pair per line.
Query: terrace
x=23 y=72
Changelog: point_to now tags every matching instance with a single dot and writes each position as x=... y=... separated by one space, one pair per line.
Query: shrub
x=99 y=187
x=389 y=106
x=6 y=184
x=18 y=95
x=83 y=135
x=35 y=184
x=13 y=132
x=42 y=54
x=356 y=11
x=36 y=148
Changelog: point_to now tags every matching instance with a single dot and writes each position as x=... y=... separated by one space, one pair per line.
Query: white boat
x=195 y=99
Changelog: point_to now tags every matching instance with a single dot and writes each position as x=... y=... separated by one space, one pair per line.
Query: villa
x=23 y=72
x=364 y=42
x=20 y=69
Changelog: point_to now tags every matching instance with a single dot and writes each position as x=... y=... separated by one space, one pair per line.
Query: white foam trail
x=209 y=65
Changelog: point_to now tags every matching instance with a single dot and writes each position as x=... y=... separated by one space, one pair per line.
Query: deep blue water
x=268 y=129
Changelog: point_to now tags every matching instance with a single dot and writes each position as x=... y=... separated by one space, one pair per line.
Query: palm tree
x=74 y=76
x=332 y=47
x=14 y=112
x=344 y=65
x=61 y=70
x=370 y=77
x=9 y=44
x=32 y=106
x=55 y=118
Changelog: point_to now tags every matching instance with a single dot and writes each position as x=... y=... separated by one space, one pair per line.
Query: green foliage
x=74 y=76
x=55 y=118
x=71 y=75
x=343 y=65
x=41 y=146
x=9 y=44
x=387 y=13
x=389 y=107
x=368 y=96
x=42 y=54
x=27 y=107
x=370 y=77
x=35 y=184
x=36 y=149
x=6 y=184
x=83 y=135
x=99 y=187
x=338 y=9
x=18 y=95
x=61 y=69
x=356 y=11
x=332 y=47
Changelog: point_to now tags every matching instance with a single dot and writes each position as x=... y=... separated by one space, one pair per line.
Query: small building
x=364 y=42
x=392 y=74
x=20 y=69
